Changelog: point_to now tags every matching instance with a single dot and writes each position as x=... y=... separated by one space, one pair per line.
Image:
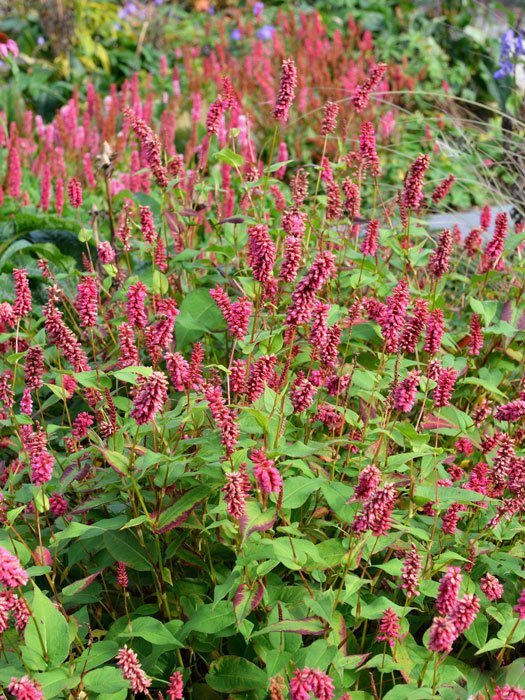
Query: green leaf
x=97 y=654
x=183 y=504
x=124 y=547
x=478 y=631
x=198 y=314
x=297 y=489
x=226 y=155
x=210 y=619
x=152 y=630
x=107 y=679
x=47 y=632
x=233 y=674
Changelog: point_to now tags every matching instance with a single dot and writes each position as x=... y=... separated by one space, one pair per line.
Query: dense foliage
x=261 y=432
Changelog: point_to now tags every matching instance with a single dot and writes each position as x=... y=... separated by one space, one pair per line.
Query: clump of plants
x=262 y=435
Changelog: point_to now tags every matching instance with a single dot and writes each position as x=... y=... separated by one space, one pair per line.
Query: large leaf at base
x=232 y=674
x=47 y=631
x=124 y=547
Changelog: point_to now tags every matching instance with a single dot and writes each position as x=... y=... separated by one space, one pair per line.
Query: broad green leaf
x=123 y=546
x=233 y=674
x=47 y=632
x=107 y=679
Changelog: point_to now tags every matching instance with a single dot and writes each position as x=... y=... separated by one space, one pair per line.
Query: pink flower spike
x=11 y=572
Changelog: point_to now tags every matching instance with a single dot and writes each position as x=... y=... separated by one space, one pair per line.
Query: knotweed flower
x=237 y=315
x=377 y=512
x=260 y=372
x=448 y=590
x=473 y=242
x=26 y=403
x=411 y=572
x=86 y=302
x=370 y=241
x=319 y=327
x=34 y=367
x=261 y=253
x=122 y=575
x=512 y=411
x=224 y=417
x=333 y=209
x=306 y=681
x=302 y=393
x=329 y=350
x=389 y=627
x=235 y=491
x=238 y=376
x=59 y=196
x=367 y=149
x=45 y=188
x=149 y=396
x=105 y=252
x=25 y=689
x=495 y=246
x=330 y=112
x=81 y=425
x=129 y=354
x=176 y=686
x=11 y=572
x=147 y=225
x=136 y=310
x=435 y=330
x=442 y=635
x=491 y=587
x=214 y=116
x=293 y=252
x=303 y=298
x=439 y=261
x=195 y=371
x=22 y=304
x=484 y=219
x=414 y=327
x=361 y=96
x=393 y=316
x=404 y=395
x=286 y=93
x=367 y=483
x=508 y=692
x=64 y=338
x=14 y=172
x=149 y=145
x=299 y=187
x=58 y=505
x=520 y=605
x=465 y=612
x=74 y=192
x=266 y=473
x=132 y=671
x=19 y=610
x=476 y=336
x=413 y=186
x=445 y=386
x=451 y=517
x=41 y=467
x=443 y=189
x=178 y=370
x=352 y=202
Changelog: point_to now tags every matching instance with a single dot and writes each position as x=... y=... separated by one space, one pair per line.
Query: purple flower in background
x=512 y=47
x=211 y=10
x=236 y=35
x=41 y=41
x=265 y=33
x=258 y=8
